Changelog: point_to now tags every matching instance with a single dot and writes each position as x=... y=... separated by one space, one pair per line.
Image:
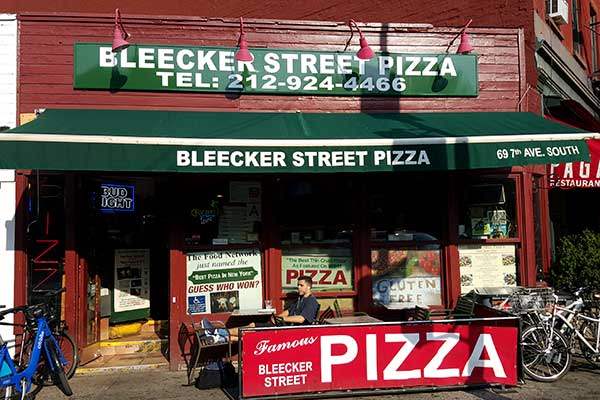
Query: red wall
x=46 y=64
x=485 y=13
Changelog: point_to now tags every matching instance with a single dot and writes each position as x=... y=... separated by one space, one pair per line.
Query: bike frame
x=572 y=314
x=24 y=377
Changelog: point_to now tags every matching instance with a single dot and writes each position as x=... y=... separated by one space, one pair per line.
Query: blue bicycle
x=16 y=380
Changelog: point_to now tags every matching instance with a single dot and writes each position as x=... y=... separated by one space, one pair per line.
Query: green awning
x=243 y=142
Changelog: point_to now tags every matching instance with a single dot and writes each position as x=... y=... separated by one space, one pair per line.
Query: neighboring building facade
x=8 y=115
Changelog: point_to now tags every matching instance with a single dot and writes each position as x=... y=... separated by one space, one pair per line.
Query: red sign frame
x=305 y=359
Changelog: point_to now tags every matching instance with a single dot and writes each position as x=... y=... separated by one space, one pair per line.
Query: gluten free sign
x=327 y=358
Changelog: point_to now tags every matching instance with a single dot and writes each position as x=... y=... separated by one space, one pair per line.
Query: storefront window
x=407 y=215
x=223 y=213
x=405 y=278
x=487 y=209
x=407 y=208
x=316 y=231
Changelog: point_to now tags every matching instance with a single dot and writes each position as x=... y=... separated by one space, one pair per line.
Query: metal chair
x=465 y=308
x=198 y=351
x=338 y=310
x=328 y=313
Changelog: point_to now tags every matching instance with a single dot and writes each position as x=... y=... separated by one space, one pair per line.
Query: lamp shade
x=120 y=35
x=243 y=54
x=119 y=42
x=465 y=46
x=365 y=52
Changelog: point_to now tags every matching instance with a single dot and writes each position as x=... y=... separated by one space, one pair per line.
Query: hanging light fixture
x=243 y=54
x=120 y=35
x=365 y=52
x=464 y=46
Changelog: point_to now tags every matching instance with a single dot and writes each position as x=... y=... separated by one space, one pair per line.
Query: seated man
x=302 y=312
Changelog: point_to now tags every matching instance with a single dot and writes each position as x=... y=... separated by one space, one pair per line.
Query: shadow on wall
x=10 y=238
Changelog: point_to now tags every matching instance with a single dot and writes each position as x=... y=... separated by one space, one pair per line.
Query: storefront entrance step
x=124 y=363
x=155 y=325
x=147 y=343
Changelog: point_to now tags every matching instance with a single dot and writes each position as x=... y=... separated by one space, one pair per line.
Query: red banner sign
x=326 y=358
x=578 y=174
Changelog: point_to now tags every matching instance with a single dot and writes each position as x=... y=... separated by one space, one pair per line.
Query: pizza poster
x=223 y=281
x=405 y=278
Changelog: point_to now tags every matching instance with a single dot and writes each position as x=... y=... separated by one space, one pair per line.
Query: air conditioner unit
x=558 y=10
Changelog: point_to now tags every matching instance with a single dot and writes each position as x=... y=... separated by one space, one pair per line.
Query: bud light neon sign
x=117 y=197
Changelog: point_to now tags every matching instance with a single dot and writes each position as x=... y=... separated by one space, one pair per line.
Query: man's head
x=304 y=285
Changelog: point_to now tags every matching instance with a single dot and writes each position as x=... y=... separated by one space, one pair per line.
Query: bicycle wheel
x=543 y=360
x=57 y=372
x=70 y=354
x=589 y=330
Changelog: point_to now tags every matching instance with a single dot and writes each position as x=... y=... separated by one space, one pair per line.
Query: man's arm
x=284 y=314
x=294 y=319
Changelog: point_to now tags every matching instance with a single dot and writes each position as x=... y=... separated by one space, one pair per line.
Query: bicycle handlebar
x=31 y=308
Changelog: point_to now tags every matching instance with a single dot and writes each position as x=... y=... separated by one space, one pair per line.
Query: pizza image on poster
x=406 y=278
x=223 y=281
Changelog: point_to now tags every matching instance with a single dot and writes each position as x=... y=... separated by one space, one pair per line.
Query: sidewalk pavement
x=580 y=383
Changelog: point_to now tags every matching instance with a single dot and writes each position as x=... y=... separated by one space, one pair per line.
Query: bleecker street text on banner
x=362 y=159
x=223 y=281
x=326 y=358
x=214 y=69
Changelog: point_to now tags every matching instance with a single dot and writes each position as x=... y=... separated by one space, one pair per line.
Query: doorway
x=122 y=242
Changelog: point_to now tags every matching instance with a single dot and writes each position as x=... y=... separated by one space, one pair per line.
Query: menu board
x=406 y=278
x=487 y=266
x=223 y=281
x=329 y=270
x=132 y=279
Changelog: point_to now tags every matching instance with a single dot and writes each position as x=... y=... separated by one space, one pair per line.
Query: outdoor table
x=244 y=317
x=357 y=319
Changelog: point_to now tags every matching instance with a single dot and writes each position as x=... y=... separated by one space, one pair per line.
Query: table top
x=357 y=319
x=253 y=312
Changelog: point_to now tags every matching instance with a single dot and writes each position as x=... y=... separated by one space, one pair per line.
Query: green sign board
x=136 y=157
x=275 y=71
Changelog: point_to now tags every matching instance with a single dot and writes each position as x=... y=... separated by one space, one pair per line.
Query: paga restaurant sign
x=580 y=174
x=280 y=71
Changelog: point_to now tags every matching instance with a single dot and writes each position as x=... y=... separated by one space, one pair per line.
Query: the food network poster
x=405 y=278
x=223 y=281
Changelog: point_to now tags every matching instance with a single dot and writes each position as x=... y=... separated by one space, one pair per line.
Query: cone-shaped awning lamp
x=120 y=35
x=365 y=52
x=243 y=54
x=465 y=46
